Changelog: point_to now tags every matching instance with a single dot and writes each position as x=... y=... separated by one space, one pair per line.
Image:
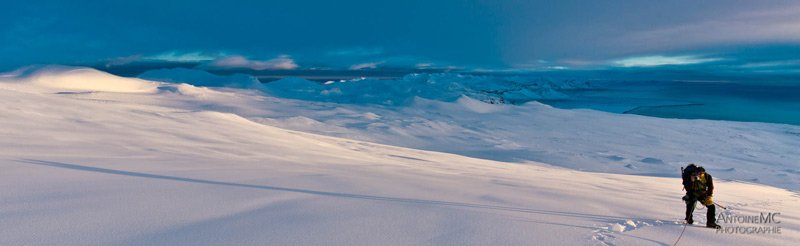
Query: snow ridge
x=442 y=87
x=77 y=79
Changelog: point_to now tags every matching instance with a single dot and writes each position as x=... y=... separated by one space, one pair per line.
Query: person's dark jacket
x=687 y=184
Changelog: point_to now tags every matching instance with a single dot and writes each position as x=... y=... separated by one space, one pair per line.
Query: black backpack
x=687 y=172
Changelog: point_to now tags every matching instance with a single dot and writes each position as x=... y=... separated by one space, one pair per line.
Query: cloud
x=119 y=61
x=423 y=65
x=358 y=51
x=436 y=66
x=658 y=60
x=786 y=63
x=171 y=56
x=282 y=62
x=174 y=56
x=774 y=25
x=369 y=65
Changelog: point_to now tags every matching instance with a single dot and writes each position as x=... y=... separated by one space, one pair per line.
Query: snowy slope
x=445 y=113
x=99 y=164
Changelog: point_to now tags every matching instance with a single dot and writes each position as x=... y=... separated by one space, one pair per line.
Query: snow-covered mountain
x=92 y=158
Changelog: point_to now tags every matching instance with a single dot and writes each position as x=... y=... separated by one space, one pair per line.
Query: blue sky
x=500 y=35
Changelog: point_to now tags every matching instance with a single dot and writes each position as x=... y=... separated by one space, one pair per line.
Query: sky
x=729 y=36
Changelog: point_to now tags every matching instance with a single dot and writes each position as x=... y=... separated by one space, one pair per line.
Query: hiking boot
x=689 y=221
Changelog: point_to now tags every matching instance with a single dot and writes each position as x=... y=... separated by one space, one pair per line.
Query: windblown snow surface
x=89 y=158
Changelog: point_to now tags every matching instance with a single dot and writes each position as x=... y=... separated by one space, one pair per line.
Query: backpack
x=687 y=172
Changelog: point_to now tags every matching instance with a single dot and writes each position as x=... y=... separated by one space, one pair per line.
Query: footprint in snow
x=604 y=235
